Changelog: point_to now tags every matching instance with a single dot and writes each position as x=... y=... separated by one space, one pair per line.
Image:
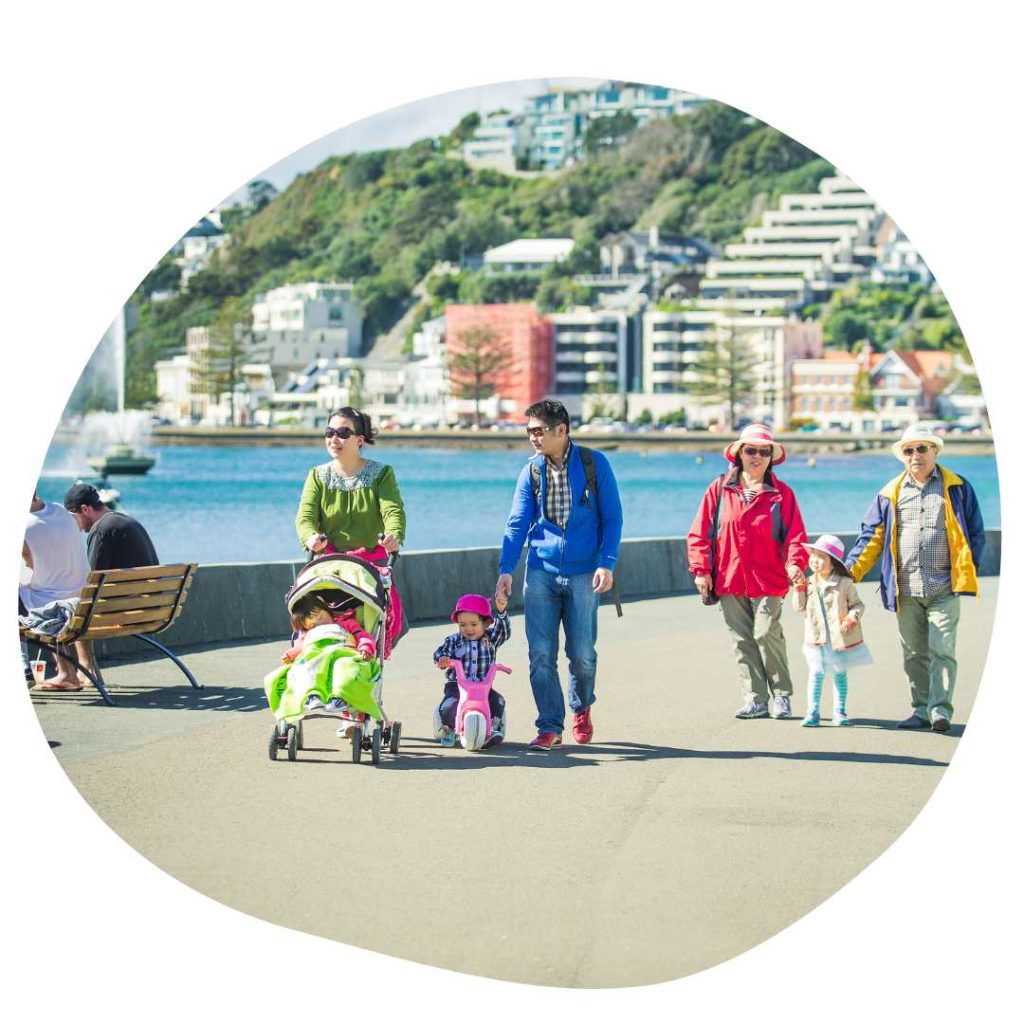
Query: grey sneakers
x=780 y=706
x=753 y=710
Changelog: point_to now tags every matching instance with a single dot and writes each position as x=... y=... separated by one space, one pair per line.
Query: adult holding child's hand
x=745 y=547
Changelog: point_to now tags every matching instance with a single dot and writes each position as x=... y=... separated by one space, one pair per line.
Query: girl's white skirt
x=826 y=659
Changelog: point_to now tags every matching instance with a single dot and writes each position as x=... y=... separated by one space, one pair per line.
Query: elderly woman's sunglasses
x=342 y=433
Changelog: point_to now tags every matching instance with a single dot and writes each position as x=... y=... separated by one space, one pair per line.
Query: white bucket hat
x=917 y=432
x=756 y=434
x=829 y=544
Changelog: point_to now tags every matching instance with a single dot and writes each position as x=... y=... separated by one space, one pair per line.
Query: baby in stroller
x=332 y=665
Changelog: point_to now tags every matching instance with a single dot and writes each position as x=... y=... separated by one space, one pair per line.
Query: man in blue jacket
x=927 y=527
x=566 y=508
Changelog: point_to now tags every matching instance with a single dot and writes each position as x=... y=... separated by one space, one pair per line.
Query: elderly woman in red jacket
x=745 y=547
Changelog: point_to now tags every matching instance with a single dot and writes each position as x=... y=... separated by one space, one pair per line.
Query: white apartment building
x=589 y=348
x=199 y=244
x=674 y=341
x=299 y=323
x=498 y=143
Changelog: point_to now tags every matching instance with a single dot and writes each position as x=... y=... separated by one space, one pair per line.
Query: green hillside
x=383 y=219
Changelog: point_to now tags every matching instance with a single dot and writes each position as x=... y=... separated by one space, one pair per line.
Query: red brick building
x=527 y=334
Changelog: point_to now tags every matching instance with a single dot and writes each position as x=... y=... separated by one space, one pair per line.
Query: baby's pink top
x=362 y=641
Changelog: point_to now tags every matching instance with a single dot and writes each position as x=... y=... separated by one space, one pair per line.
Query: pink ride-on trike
x=473 y=714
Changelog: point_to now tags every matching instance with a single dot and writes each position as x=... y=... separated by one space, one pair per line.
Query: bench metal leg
x=170 y=654
x=97 y=679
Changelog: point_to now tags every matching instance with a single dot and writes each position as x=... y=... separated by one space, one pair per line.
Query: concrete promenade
x=679 y=838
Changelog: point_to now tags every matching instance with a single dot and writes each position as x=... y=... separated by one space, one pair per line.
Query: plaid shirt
x=558 y=500
x=923 y=565
x=477 y=656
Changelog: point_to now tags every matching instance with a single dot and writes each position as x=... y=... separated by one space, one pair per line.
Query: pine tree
x=475 y=361
x=724 y=370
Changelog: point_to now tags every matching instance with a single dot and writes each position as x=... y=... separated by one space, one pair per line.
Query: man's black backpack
x=590 y=471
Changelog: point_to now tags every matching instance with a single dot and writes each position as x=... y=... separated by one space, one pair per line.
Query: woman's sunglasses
x=342 y=433
x=918 y=449
x=765 y=453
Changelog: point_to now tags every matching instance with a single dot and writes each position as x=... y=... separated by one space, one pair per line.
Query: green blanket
x=328 y=668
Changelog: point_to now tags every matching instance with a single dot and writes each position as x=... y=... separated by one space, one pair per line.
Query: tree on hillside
x=608 y=132
x=230 y=348
x=724 y=371
x=475 y=361
x=863 y=393
x=261 y=193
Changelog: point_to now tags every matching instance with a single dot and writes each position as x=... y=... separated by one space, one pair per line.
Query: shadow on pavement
x=165 y=698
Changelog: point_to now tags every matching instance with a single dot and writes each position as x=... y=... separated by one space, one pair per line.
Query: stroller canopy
x=342 y=575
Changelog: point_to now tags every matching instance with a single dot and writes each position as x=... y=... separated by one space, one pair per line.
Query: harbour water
x=210 y=504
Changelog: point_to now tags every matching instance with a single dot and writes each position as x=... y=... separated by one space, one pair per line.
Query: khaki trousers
x=755 y=626
x=928 y=634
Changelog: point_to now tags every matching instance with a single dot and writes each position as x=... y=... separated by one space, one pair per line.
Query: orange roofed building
x=527 y=334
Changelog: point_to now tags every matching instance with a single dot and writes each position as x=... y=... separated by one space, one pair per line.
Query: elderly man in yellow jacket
x=926 y=525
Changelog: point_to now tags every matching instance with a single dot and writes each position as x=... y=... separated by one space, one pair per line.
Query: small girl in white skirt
x=833 y=641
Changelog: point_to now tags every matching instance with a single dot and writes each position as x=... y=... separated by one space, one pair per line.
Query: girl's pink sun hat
x=829 y=544
x=475 y=603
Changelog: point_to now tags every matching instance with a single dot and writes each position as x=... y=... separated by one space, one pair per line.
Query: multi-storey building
x=590 y=356
x=526 y=337
x=299 y=323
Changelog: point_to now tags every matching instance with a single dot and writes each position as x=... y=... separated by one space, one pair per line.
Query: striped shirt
x=923 y=565
x=558 y=500
x=477 y=656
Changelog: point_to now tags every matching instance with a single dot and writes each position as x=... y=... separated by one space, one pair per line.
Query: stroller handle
x=392 y=555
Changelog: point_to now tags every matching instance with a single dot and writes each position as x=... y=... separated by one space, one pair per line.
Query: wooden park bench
x=122 y=602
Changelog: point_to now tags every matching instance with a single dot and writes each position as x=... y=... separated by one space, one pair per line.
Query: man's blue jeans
x=569 y=601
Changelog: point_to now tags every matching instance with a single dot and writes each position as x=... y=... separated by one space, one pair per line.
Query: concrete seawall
x=244 y=601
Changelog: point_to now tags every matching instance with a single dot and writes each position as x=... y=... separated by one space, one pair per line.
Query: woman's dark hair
x=551 y=411
x=304 y=606
x=361 y=421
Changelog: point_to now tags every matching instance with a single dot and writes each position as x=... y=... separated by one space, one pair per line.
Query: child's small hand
x=501 y=601
x=287 y=658
x=847 y=624
x=366 y=653
x=443 y=663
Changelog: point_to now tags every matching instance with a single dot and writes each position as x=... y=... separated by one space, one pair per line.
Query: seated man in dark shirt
x=113 y=540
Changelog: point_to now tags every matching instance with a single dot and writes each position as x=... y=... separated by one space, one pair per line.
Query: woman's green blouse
x=351 y=511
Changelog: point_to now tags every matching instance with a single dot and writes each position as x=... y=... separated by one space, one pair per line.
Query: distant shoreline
x=804 y=443
x=816 y=443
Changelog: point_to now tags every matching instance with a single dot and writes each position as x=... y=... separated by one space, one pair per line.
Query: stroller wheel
x=273 y=747
x=396 y=735
x=375 y=745
x=293 y=741
x=298 y=730
x=357 y=743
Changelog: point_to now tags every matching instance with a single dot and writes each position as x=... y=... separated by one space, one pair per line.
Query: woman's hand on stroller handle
x=389 y=542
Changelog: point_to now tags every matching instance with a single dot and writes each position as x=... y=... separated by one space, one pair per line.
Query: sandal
x=54 y=685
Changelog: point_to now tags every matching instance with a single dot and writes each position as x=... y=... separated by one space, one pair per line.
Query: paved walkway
x=679 y=838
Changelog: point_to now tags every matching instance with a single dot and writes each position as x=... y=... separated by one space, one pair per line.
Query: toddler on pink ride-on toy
x=470 y=710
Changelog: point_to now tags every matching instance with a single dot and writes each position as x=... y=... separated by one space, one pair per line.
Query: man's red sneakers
x=582 y=727
x=545 y=740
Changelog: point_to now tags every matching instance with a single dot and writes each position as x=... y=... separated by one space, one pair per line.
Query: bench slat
x=105 y=605
x=113 y=589
x=128 y=618
x=146 y=572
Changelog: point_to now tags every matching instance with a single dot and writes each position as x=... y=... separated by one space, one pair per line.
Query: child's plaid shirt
x=477 y=656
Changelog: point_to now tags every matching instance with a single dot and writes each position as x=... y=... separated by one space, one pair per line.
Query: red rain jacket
x=755 y=542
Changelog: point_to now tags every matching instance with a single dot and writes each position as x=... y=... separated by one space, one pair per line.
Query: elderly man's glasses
x=765 y=453
x=341 y=433
x=918 y=449
x=539 y=431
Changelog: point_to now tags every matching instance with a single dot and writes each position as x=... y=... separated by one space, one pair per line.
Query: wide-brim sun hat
x=829 y=544
x=756 y=434
x=475 y=603
x=917 y=432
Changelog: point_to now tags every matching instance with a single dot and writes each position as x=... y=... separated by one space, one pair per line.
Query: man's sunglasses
x=765 y=453
x=918 y=449
x=342 y=433
x=539 y=431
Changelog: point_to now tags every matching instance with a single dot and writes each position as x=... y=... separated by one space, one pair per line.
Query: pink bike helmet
x=475 y=603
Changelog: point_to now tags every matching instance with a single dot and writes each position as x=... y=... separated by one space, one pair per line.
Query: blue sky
x=400 y=126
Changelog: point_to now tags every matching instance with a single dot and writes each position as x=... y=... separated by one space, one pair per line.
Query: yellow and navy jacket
x=965 y=532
